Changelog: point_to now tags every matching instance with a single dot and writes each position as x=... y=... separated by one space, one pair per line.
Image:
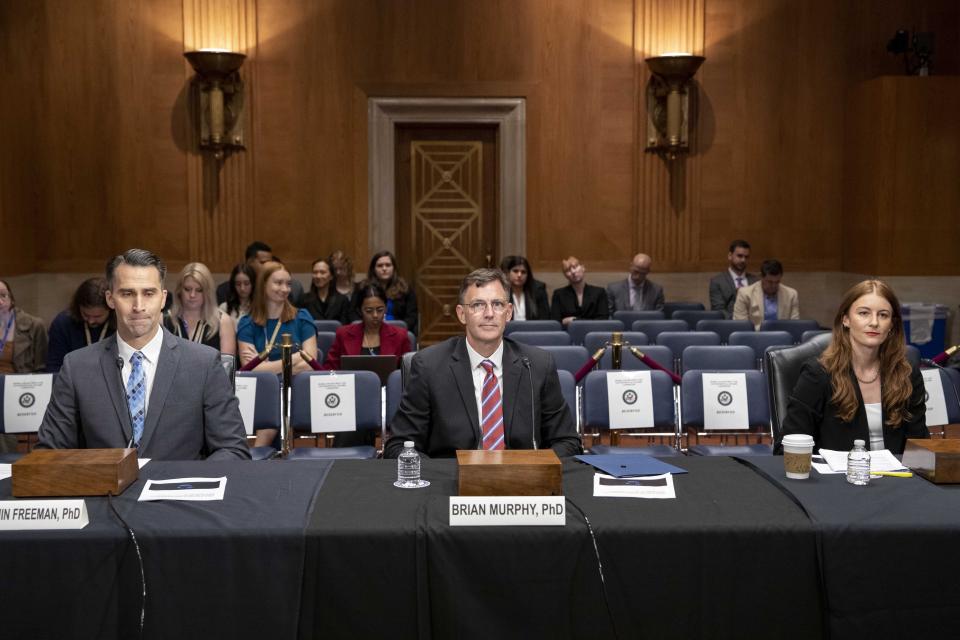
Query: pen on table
x=895 y=474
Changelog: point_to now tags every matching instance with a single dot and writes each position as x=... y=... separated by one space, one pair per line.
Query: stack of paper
x=881 y=460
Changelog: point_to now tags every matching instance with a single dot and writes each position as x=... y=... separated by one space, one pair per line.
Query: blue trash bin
x=925 y=326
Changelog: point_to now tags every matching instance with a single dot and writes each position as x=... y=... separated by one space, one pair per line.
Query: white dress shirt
x=519 y=306
x=151 y=355
x=479 y=373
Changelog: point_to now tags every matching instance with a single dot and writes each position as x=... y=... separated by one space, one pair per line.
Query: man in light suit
x=636 y=292
x=767 y=299
x=145 y=388
x=724 y=285
x=481 y=391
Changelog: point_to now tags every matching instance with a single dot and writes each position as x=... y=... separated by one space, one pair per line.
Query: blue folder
x=625 y=465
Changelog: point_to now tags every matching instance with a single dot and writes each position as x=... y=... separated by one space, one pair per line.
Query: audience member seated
x=372 y=336
x=342 y=267
x=528 y=296
x=23 y=346
x=272 y=315
x=401 y=299
x=240 y=293
x=88 y=319
x=636 y=292
x=724 y=285
x=194 y=314
x=578 y=300
x=861 y=387
x=323 y=301
x=256 y=255
x=767 y=299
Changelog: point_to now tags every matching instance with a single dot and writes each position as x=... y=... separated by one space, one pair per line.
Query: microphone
x=940 y=358
x=533 y=420
x=123 y=392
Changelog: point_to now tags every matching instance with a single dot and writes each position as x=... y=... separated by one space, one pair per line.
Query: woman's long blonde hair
x=209 y=312
x=837 y=359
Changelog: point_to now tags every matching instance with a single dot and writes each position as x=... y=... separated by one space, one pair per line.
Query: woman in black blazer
x=529 y=296
x=401 y=299
x=861 y=387
x=323 y=301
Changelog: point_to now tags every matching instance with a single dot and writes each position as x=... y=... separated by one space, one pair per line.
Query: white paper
x=192 y=489
x=821 y=466
x=333 y=404
x=936 y=403
x=629 y=399
x=143 y=462
x=725 y=401
x=25 y=400
x=657 y=487
x=881 y=460
x=5 y=471
x=246 y=392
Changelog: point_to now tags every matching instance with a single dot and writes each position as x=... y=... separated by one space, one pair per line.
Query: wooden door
x=446 y=215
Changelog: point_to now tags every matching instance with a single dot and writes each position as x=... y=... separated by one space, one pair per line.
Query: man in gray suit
x=146 y=388
x=636 y=292
x=724 y=285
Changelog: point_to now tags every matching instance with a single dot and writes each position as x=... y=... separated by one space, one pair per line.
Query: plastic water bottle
x=858 y=464
x=408 y=467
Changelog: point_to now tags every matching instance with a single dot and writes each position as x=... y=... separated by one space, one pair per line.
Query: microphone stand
x=286 y=361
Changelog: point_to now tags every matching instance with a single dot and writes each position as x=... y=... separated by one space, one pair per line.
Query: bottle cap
x=409 y=444
x=858 y=443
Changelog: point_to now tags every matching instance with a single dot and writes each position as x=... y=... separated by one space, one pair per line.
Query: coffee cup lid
x=798 y=440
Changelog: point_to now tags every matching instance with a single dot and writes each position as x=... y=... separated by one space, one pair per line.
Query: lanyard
x=86 y=332
x=6 y=331
x=198 y=333
x=269 y=346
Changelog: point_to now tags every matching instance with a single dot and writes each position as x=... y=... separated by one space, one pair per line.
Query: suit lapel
x=116 y=386
x=510 y=386
x=167 y=365
x=463 y=376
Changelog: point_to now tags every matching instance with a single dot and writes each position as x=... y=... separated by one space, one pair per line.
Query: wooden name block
x=512 y=472
x=74 y=472
x=936 y=460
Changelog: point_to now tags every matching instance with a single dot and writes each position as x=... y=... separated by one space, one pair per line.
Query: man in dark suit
x=637 y=292
x=724 y=285
x=144 y=388
x=481 y=391
x=578 y=300
x=258 y=254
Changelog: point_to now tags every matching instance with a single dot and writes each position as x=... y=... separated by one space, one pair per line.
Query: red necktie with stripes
x=491 y=420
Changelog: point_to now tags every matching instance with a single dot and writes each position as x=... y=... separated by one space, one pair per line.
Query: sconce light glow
x=668 y=103
x=221 y=98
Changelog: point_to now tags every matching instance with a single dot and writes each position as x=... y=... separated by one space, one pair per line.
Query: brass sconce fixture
x=668 y=102
x=221 y=99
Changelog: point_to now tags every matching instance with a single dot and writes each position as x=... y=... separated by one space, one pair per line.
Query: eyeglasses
x=479 y=306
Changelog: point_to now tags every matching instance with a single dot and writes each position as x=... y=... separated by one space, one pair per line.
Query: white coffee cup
x=797 y=451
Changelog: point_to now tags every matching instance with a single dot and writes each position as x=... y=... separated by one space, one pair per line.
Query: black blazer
x=336 y=307
x=810 y=411
x=537 y=308
x=438 y=410
x=594 y=305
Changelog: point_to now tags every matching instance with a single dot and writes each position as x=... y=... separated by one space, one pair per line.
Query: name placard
x=725 y=401
x=936 y=403
x=246 y=391
x=507 y=511
x=25 y=515
x=333 y=404
x=630 y=399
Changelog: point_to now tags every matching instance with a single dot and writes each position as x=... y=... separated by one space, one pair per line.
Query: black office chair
x=782 y=365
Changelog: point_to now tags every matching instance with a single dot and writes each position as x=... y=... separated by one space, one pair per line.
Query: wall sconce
x=668 y=102
x=221 y=98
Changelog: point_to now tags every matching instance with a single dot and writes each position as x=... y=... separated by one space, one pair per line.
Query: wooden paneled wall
x=102 y=154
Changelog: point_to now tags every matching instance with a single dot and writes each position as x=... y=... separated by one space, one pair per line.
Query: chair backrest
x=596 y=339
x=782 y=366
x=724 y=328
x=691 y=403
x=394 y=393
x=693 y=316
x=596 y=411
x=677 y=341
x=568 y=358
x=33 y=405
x=793 y=327
x=628 y=362
x=653 y=328
x=229 y=364
x=670 y=307
x=628 y=317
x=542 y=338
x=568 y=387
x=760 y=340
x=398 y=323
x=412 y=337
x=368 y=400
x=578 y=329
x=532 y=325
x=326 y=325
x=718 y=358
x=324 y=342
x=266 y=402
x=806 y=335
x=913 y=355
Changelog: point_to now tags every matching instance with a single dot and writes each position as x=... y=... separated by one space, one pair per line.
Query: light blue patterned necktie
x=136 y=395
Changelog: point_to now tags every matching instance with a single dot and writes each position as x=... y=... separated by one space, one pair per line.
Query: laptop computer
x=383 y=366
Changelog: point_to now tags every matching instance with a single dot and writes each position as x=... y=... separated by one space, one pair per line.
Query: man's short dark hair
x=254 y=248
x=739 y=243
x=771 y=268
x=135 y=258
x=481 y=277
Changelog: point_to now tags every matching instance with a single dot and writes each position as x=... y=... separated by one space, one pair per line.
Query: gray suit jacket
x=438 y=410
x=192 y=412
x=618 y=296
x=723 y=291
